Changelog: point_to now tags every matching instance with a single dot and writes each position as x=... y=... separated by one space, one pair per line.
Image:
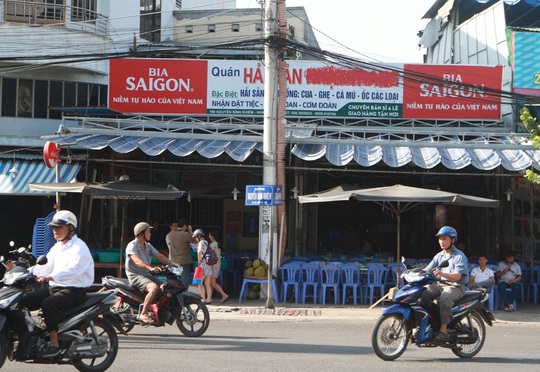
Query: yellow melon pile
x=258 y=269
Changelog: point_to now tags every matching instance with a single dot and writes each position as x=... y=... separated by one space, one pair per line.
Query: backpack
x=210 y=256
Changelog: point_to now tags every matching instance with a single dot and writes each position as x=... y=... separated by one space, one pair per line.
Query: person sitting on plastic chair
x=509 y=274
x=482 y=276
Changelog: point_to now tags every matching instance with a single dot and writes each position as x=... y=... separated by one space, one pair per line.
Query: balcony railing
x=53 y=12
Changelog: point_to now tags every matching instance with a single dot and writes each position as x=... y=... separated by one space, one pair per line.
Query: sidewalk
x=255 y=310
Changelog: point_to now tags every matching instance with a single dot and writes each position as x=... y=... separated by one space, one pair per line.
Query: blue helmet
x=448 y=230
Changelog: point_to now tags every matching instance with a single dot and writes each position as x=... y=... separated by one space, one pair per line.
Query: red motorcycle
x=173 y=303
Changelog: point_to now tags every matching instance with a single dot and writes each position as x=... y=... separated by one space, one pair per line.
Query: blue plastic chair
x=290 y=277
x=246 y=282
x=350 y=278
x=374 y=264
x=376 y=280
x=310 y=279
x=535 y=282
x=330 y=276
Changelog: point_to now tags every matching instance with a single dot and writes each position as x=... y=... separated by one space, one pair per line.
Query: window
x=9 y=99
x=24 y=98
x=150 y=25
x=211 y=28
x=32 y=98
x=83 y=10
x=236 y=27
x=70 y=94
x=82 y=95
x=189 y=29
x=41 y=93
x=258 y=27
x=57 y=87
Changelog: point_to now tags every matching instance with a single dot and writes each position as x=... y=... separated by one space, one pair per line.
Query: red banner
x=158 y=85
x=452 y=91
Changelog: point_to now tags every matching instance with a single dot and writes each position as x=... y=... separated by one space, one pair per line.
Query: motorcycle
x=174 y=302
x=87 y=341
x=410 y=319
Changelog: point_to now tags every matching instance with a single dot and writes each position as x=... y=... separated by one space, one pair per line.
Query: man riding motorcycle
x=139 y=253
x=66 y=276
x=454 y=278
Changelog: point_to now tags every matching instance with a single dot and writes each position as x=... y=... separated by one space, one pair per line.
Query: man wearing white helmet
x=139 y=253
x=69 y=271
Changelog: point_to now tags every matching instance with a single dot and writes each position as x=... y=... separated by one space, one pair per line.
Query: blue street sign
x=257 y=195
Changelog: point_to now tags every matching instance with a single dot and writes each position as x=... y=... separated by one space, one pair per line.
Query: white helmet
x=62 y=218
x=141 y=227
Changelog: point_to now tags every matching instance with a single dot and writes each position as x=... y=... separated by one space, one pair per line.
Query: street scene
x=334 y=338
x=269 y=185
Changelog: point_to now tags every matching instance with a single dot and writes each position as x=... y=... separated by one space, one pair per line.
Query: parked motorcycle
x=412 y=320
x=174 y=303
x=87 y=341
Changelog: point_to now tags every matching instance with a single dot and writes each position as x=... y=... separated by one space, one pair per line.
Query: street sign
x=257 y=195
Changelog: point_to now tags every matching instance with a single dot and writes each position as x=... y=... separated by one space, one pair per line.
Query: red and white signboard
x=314 y=89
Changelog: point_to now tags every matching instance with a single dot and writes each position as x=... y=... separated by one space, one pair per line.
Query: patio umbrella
x=122 y=190
x=397 y=199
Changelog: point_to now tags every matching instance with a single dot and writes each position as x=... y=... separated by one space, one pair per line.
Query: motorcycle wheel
x=473 y=321
x=3 y=348
x=107 y=340
x=126 y=312
x=390 y=336
x=196 y=320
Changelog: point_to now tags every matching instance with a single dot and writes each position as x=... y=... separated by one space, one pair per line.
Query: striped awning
x=16 y=183
x=427 y=153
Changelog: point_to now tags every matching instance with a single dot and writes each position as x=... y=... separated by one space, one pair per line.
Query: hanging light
x=235 y=193
x=13 y=171
x=294 y=191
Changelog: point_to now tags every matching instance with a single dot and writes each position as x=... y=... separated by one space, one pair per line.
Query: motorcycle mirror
x=12 y=243
x=42 y=260
x=444 y=264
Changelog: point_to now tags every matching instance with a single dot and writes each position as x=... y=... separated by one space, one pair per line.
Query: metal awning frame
x=386 y=133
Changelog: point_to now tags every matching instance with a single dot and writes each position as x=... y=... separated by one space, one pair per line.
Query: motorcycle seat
x=91 y=299
x=121 y=283
x=469 y=296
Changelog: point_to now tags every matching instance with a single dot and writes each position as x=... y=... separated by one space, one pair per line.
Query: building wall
x=480 y=40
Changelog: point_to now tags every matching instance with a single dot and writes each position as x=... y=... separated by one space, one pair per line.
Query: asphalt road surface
x=322 y=340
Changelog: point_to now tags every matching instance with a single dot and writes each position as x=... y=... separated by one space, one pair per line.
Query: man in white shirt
x=69 y=271
x=482 y=276
x=509 y=274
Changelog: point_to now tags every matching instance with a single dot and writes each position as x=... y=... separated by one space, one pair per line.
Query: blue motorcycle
x=411 y=319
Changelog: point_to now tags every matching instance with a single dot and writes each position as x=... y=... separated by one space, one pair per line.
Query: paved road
x=318 y=339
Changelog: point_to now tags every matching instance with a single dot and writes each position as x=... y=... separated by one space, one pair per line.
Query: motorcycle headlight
x=13 y=275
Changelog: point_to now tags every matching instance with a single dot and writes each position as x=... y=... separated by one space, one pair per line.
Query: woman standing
x=205 y=288
x=214 y=237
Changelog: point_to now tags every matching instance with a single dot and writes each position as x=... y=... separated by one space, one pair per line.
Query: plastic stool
x=243 y=291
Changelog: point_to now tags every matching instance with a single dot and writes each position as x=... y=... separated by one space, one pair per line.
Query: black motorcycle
x=86 y=335
x=174 y=303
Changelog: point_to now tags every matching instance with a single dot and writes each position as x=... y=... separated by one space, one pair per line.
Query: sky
x=383 y=30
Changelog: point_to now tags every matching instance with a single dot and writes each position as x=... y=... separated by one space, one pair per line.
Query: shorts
x=141 y=282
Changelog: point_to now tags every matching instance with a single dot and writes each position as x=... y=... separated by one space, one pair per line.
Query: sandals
x=224 y=300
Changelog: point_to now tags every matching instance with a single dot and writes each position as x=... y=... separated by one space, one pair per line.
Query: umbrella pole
x=122 y=238
x=398 y=258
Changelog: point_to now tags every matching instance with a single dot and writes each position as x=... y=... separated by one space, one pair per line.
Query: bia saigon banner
x=314 y=89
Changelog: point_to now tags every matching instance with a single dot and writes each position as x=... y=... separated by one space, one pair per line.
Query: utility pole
x=268 y=236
